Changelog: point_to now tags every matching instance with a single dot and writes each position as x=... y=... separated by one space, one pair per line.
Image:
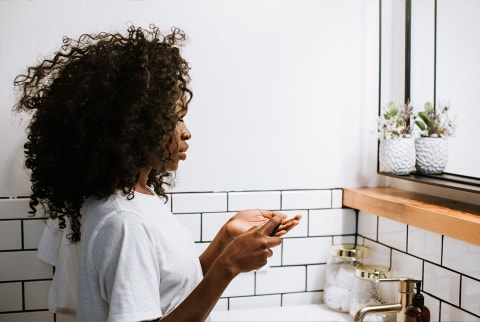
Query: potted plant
x=431 y=147
x=397 y=146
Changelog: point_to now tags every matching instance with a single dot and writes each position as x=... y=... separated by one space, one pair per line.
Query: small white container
x=340 y=274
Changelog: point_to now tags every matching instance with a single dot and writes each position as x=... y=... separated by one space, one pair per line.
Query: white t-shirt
x=137 y=261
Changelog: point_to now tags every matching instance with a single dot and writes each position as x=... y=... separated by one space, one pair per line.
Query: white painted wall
x=285 y=91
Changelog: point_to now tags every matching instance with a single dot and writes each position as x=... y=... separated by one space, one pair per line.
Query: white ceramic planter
x=397 y=156
x=431 y=155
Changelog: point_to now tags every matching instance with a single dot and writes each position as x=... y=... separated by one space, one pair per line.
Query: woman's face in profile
x=178 y=148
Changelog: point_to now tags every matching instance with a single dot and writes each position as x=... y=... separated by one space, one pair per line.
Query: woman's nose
x=186 y=135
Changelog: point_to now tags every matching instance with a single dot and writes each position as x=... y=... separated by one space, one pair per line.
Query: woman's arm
x=244 y=253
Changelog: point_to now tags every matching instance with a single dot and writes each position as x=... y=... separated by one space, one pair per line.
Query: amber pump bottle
x=417 y=311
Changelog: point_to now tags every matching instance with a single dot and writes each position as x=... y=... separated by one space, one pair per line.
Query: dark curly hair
x=101 y=106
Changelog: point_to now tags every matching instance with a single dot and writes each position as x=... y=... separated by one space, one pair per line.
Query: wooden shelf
x=451 y=218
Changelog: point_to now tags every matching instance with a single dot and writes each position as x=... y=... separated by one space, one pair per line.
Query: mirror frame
x=447 y=180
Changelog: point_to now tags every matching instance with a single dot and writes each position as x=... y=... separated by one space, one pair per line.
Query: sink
x=311 y=312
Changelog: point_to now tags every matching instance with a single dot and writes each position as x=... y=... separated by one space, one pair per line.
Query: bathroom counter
x=294 y=313
x=451 y=218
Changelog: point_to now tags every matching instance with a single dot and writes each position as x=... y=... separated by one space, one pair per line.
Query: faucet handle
x=407 y=285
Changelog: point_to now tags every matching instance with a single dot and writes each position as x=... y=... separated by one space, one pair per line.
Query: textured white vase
x=397 y=156
x=432 y=155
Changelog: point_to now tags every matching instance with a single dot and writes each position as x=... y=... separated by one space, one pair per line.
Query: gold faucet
x=406 y=288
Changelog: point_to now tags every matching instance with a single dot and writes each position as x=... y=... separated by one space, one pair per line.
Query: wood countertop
x=448 y=217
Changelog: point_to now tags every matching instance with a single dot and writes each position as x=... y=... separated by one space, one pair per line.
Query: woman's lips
x=182 y=156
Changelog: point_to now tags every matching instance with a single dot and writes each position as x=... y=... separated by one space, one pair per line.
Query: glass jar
x=339 y=275
x=368 y=289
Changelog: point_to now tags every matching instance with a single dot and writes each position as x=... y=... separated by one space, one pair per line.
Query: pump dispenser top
x=417 y=312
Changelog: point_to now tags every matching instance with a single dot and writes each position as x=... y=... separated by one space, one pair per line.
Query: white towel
x=55 y=249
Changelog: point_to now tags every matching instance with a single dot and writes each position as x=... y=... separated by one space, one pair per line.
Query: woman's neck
x=141 y=185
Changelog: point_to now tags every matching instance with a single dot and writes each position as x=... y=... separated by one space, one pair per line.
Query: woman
x=106 y=135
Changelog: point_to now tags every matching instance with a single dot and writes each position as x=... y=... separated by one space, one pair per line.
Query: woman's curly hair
x=101 y=107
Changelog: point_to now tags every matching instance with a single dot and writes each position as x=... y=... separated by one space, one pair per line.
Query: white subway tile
x=10 y=235
x=14 y=208
x=312 y=250
x=243 y=284
x=367 y=225
x=425 y=244
x=281 y=280
x=10 y=297
x=36 y=295
x=471 y=295
x=392 y=233
x=32 y=232
x=379 y=255
x=254 y=302
x=337 y=198
x=268 y=200
x=43 y=316
x=444 y=283
x=315 y=277
x=307 y=199
x=404 y=265
x=212 y=222
x=199 y=202
x=332 y=222
x=461 y=256
x=302 y=298
x=433 y=306
x=344 y=239
x=452 y=314
x=193 y=223
x=23 y=266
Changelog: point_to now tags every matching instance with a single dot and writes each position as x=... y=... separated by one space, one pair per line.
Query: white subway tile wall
x=449 y=268
x=294 y=274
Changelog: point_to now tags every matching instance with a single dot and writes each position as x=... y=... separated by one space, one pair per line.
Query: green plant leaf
x=427 y=120
x=421 y=125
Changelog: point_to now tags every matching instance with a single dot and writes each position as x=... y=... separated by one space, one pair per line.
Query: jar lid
x=372 y=272
x=350 y=251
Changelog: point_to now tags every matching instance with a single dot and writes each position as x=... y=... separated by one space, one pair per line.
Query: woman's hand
x=241 y=223
x=246 y=219
x=251 y=249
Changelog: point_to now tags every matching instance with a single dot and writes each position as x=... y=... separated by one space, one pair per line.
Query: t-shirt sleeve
x=128 y=269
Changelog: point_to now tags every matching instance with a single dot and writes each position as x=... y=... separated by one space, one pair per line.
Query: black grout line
x=460 y=291
x=22 y=235
x=23 y=296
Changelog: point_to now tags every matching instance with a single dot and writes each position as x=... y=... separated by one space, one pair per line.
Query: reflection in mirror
x=442 y=65
x=458 y=81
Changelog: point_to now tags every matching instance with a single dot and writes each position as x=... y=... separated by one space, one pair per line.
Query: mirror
x=441 y=65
